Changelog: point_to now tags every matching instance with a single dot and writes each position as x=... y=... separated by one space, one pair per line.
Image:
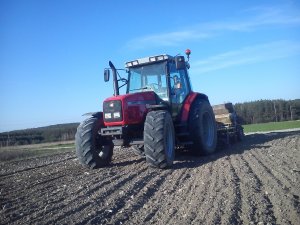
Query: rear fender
x=187 y=104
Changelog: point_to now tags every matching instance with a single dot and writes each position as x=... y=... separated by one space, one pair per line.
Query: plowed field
x=253 y=182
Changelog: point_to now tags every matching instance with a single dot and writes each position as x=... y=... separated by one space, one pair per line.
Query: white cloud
x=166 y=39
x=248 y=55
x=249 y=20
x=274 y=16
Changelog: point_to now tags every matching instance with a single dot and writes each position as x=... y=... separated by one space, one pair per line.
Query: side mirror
x=106 y=75
x=180 y=62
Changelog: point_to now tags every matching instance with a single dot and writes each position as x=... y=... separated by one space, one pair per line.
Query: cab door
x=179 y=88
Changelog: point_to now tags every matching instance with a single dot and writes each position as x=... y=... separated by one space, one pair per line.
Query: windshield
x=149 y=78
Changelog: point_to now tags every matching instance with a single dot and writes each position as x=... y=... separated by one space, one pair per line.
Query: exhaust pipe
x=115 y=78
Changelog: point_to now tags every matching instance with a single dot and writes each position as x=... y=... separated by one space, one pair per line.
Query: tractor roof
x=148 y=60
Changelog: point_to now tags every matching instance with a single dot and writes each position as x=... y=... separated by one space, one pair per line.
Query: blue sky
x=52 y=53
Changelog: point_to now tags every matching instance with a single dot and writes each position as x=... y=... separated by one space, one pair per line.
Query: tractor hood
x=127 y=109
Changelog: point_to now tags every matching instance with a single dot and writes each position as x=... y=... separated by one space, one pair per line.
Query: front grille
x=112 y=111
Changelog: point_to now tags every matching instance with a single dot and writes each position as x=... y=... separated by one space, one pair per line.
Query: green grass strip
x=271 y=126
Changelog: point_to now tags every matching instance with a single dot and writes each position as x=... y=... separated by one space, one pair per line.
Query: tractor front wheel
x=159 y=139
x=91 y=149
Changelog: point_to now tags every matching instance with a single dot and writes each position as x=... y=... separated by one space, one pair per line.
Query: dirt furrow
x=232 y=194
x=27 y=186
x=141 y=199
x=253 y=182
x=140 y=188
x=161 y=200
x=256 y=206
x=50 y=193
x=197 y=193
x=207 y=211
x=96 y=195
x=184 y=193
x=284 y=159
x=277 y=195
x=274 y=175
x=282 y=172
x=286 y=151
x=33 y=164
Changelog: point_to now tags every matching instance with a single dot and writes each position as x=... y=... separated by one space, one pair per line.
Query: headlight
x=117 y=115
x=107 y=115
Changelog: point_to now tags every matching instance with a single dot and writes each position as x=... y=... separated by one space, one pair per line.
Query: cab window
x=179 y=87
x=149 y=78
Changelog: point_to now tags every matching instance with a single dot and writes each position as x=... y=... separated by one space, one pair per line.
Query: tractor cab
x=165 y=75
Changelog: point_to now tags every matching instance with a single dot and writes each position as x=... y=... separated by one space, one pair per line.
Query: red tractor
x=158 y=113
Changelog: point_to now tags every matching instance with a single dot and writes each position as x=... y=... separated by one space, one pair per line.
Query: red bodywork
x=133 y=107
x=186 y=108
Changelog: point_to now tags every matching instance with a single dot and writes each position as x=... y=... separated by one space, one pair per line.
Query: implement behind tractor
x=229 y=128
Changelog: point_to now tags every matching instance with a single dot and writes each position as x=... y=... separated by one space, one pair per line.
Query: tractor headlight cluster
x=112 y=115
x=112 y=111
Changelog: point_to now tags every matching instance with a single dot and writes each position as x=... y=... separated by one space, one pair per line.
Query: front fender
x=94 y=114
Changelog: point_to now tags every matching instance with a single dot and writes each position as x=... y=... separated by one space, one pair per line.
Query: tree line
x=264 y=111
x=54 y=133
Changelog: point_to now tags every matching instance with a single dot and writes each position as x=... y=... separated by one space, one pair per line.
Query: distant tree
x=263 y=111
x=61 y=132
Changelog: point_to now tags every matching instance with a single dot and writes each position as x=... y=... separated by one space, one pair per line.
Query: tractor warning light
x=188 y=52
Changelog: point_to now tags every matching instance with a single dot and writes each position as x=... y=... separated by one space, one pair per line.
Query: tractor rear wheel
x=91 y=149
x=203 y=128
x=159 y=139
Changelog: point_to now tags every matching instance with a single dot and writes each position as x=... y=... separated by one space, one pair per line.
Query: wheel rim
x=170 y=144
x=208 y=129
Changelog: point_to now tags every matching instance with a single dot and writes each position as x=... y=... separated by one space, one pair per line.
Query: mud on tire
x=91 y=149
x=159 y=140
x=203 y=128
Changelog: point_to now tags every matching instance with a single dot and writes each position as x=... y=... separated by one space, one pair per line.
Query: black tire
x=203 y=128
x=159 y=139
x=91 y=149
x=138 y=150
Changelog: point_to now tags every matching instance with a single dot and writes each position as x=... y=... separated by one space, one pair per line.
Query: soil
x=256 y=181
